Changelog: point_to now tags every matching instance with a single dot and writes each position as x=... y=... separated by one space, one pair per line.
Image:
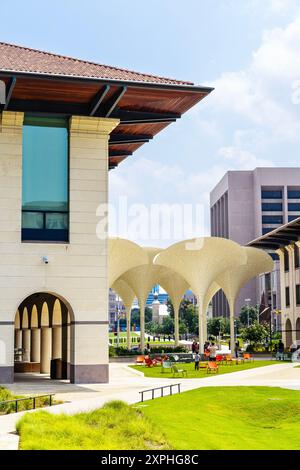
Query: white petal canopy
x=122 y=256
x=232 y=280
x=200 y=260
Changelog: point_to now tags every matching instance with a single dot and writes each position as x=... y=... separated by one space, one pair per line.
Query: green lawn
x=116 y=426
x=226 y=418
x=210 y=418
x=192 y=374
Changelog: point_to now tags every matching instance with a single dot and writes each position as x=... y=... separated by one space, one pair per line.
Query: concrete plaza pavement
x=125 y=384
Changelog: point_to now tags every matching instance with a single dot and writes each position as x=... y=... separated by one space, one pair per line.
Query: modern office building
x=245 y=205
x=64 y=123
x=115 y=308
x=285 y=241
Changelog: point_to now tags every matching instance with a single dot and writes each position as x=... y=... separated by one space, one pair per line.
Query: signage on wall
x=2 y=92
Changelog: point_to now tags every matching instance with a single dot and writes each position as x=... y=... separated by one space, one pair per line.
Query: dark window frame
x=286 y=261
x=272 y=219
x=45 y=235
x=296 y=257
x=287 y=297
x=297 y=294
x=271 y=206
x=271 y=193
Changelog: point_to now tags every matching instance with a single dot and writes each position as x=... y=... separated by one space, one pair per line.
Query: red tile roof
x=23 y=59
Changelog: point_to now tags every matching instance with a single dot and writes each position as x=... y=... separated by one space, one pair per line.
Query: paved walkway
x=125 y=383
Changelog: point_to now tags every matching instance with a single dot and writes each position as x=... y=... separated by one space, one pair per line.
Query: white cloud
x=243 y=159
x=262 y=94
x=277 y=7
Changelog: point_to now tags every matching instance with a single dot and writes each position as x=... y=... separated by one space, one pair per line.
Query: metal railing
x=152 y=390
x=17 y=400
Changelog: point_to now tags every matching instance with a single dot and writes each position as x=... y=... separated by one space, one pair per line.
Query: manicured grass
x=116 y=426
x=210 y=418
x=226 y=418
x=192 y=374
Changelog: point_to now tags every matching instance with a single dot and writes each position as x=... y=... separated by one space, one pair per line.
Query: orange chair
x=219 y=358
x=228 y=359
x=149 y=362
x=206 y=354
x=248 y=357
x=140 y=360
x=212 y=367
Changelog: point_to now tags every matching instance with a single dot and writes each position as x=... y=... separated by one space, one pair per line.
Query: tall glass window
x=45 y=202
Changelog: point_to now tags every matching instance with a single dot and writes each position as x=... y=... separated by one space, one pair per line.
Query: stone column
x=56 y=342
x=45 y=350
x=89 y=138
x=11 y=190
x=26 y=342
x=18 y=338
x=35 y=355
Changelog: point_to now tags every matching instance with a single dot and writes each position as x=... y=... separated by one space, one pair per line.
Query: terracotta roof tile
x=23 y=59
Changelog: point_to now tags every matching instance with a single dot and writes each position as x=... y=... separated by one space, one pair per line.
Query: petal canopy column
x=141 y=279
x=213 y=289
x=175 y=285
x=127 y=295
x=199 y=261
x=232 y=280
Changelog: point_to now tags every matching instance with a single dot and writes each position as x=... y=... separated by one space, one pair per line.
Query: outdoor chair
x=202 y=365
x=212 y=367
x=239 y=360
x=248 y=357
x=165 y=366
x=151 y=363
x=228 y=359
x=177 y=371
x=140 y=360
x=219 y=358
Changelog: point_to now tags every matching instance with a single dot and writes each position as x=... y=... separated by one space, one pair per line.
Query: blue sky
x=248 y=49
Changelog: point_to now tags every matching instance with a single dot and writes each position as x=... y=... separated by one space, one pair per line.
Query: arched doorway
x=43 y=336
x=298 y=329
x=288 y=333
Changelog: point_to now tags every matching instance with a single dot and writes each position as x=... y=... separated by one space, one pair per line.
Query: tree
x=218 y=325
x=256 y=333
x=135 y=316
x=248 y=311
x=168 y=326
x=189 y=316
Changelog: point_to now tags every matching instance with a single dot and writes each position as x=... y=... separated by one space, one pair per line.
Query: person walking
x=197 y=360
x=236 y=350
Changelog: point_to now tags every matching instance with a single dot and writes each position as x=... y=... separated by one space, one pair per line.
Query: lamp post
x=248 y=302
x=118 y=321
